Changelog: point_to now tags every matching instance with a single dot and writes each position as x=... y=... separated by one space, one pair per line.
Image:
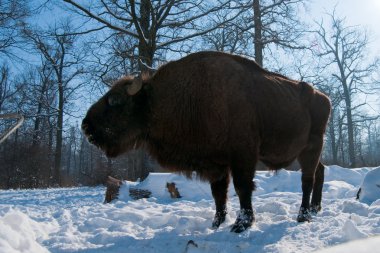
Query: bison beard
x=217 y=114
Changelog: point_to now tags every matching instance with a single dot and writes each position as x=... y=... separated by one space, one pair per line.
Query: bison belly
x=284 y=138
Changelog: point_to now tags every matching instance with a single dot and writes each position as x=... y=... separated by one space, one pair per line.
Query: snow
x=76 y=220
x=19 y=233
x=360 y=246
x=370 y=188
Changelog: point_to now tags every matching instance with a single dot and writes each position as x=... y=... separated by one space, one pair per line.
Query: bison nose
x=85 y=125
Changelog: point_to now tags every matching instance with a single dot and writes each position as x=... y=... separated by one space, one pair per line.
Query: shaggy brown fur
x=217 y=114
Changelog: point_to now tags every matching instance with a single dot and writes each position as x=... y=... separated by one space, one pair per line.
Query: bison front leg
x=243 y=183
x=219 y=191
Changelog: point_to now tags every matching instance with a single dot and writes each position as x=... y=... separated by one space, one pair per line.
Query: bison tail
x=320 y=111
x=319 y=106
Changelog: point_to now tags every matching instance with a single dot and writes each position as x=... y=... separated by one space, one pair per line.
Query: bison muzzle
x=217 y=114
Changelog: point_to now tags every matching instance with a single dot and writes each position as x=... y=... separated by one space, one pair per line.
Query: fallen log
x=139 y=193
x=113 y=190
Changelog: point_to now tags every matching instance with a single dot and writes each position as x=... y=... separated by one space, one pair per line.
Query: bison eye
x=114 y=100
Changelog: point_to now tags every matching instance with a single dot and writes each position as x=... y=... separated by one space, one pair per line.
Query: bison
x=217 y=114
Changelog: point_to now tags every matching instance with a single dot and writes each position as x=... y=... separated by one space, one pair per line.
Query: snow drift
x=75 y=220
x=370 y=188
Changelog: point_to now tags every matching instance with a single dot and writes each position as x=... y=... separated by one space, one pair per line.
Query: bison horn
x=136 y=86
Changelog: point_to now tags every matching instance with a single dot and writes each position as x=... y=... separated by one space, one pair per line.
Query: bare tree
x=57 y=49
x=155 y=25
x=232 y=36
x=344 y=50
x=41 y=97
x=7 y=91
x=263 y=22
x=276 y=22
x=12 y=15
x=111 y=57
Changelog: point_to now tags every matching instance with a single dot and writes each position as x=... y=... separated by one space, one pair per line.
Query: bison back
x=212 y=104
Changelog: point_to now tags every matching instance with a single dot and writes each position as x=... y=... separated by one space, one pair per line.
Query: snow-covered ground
x=76 y=220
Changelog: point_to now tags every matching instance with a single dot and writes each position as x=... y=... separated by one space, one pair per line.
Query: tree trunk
x=58 y=146
x=81 y=154
x=68 y=162
x=37 y=124
x=75 y=154
x=341 y=141
x=146 y=50
x=258 y=43
x=334 y=148
x=14 y=157
x=350 y=126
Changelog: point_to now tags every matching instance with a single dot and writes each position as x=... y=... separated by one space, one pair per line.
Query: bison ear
x=135 y=86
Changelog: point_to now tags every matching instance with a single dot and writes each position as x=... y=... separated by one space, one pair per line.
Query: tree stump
x=174 y=193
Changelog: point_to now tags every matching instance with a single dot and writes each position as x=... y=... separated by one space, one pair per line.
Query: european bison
x=217 y=114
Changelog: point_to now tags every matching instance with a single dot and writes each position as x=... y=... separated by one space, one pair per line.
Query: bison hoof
x=219 y=218
x=315 y=209
x=243 y=221
x=304 y=215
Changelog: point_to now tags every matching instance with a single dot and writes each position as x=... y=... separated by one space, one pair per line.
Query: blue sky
x=364 y=13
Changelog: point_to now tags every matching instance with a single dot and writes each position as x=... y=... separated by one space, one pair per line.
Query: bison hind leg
x=219 y=218
x=219 y=189
x=317 y=189
x=312 y=177
x=243 y=221
x=304 y=214
x=243 y=172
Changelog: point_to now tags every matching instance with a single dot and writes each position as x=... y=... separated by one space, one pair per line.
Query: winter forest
x=58 y=57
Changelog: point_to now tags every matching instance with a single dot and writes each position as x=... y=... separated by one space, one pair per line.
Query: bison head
x=115 y=123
